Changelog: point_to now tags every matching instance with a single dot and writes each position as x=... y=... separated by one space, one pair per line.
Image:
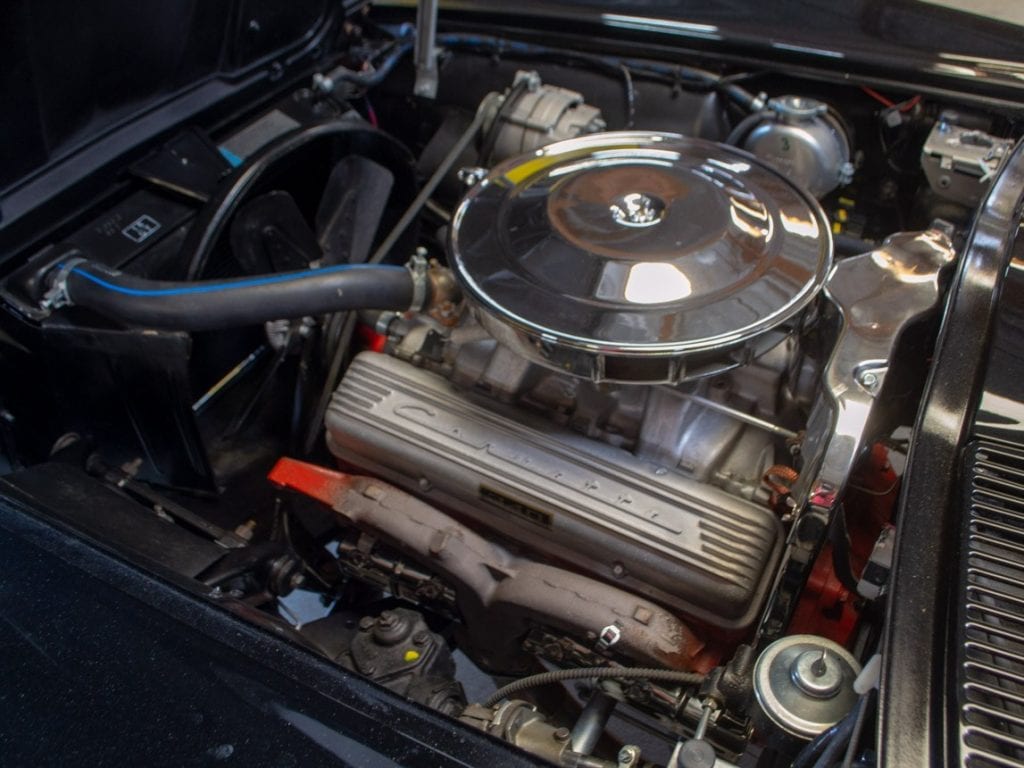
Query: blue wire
x=217 y=287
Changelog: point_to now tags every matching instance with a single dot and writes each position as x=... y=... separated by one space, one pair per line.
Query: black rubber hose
x=594 y=673
x=826 y=747
x=679 y=75
x=862 y=716
x=740 y=95
x=845 y=245
x=375 y=76
x=212 y=304
x=836 y=748
x=745 y=126
x=809 y=755
x=841 y=551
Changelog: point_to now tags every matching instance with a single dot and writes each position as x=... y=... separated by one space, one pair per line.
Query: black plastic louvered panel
x=991 y=661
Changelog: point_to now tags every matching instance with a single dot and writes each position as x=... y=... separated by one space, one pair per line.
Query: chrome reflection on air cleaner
x=639 y=257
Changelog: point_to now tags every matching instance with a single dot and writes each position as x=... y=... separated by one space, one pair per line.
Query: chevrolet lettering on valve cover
x=586 y=384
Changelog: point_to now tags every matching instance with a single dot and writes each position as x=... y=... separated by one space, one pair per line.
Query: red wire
x=910 y=104
x=906 y=106
x=888 y=102
x=878 y=97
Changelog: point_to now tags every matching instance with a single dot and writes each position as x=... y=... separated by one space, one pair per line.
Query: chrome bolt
x=472 y=176
x=629 y=755
x=870 y=380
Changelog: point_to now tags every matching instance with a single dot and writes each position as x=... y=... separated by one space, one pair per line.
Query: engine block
x=628 y=520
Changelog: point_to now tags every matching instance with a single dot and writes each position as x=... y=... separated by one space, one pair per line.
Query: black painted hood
x=959 y=30
x=97 y=78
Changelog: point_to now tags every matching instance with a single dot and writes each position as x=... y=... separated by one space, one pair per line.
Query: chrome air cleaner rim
x=637 y=256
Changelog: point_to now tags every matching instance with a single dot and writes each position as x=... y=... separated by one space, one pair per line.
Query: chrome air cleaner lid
x=639 y=257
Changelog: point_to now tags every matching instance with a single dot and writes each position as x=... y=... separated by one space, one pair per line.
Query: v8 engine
x=524 y=386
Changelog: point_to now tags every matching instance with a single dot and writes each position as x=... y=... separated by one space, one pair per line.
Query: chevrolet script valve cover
x=639 y=257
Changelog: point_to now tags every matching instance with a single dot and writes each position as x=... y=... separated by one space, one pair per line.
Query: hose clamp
x=384 y=322
x=419 y=267
x=57 y=295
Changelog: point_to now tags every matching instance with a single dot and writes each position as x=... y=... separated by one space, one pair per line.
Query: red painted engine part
x=826 y=607
x=371 y=340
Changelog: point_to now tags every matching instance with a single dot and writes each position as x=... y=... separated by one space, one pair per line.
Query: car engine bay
x=566 y=393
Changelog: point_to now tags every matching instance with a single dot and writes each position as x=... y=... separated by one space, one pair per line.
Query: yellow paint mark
x=525 y=170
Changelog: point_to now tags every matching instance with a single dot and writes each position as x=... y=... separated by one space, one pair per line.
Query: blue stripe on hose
x=233 y=159
x=217 y=287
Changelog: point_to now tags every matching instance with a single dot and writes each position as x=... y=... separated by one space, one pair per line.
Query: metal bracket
x=878 y=294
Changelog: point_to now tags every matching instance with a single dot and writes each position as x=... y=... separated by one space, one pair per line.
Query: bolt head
x=610 y=635
x=561 y=734
x=472 y=176
x=627 y=755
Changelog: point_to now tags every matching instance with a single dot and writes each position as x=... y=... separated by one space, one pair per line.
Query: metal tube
x=428 y=189
x=229 y=378
x=592 y=721
x=746 y=418
x=426 y=49
x=705 y=719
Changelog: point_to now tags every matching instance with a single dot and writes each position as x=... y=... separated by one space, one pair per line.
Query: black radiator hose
x=213 y=304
